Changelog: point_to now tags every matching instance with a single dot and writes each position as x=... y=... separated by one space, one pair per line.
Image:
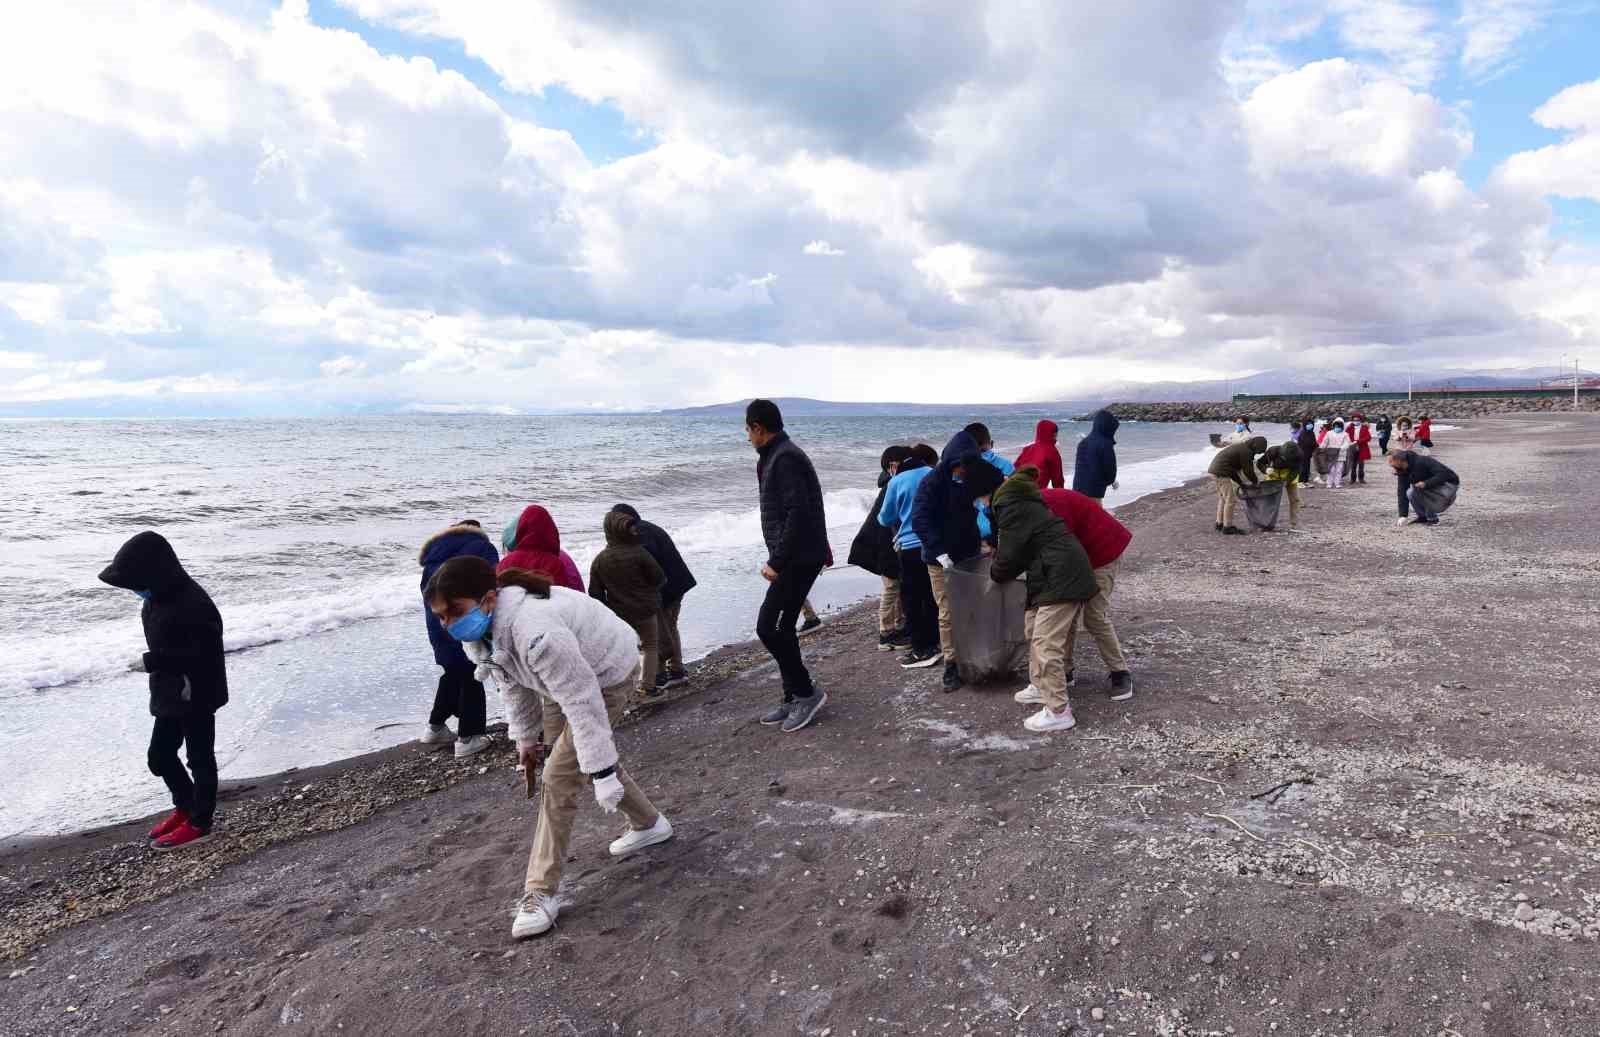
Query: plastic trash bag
x=1438 y=499
x=1326 y=458
x=1262 y=501
x=986 y=622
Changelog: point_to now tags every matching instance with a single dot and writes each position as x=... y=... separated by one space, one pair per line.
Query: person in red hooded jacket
x=537 y=548
x=1043 y=455
x=1104 y=539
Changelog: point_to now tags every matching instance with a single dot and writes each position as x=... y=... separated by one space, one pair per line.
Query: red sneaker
x=166 y=827
x=184 y=835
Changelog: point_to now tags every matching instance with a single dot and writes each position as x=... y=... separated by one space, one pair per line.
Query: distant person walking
x=680 y=581
x=1043 y=455
x=917 y=603
x=1034 y=542
x=945 y=518
x=874 y=551
x=561 y=655
x=1336 y=447
x=625 y=578
x=1424 y=484
x=795 y=529
x=1360 y=448
x=536 y=547
x=1306 y=440
x=1234 y=466
x=1096 y=468
x=188 y=682
x=459 y=694
x=1384 y=428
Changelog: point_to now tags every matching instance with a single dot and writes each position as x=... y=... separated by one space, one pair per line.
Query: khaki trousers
x=1227 y=497
x=1097 y=618
x=941 y=597
x=670 y=641
x=562 y=781
x=890 y=615
x=649 y=631
x=1292 y=490
x=1049 y=629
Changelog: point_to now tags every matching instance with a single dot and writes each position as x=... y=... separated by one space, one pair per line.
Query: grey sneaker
x=803 y=711
x=1121 y=686
x=777 y=716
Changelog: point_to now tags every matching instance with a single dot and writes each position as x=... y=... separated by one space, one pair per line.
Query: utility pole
x=1574 y=384
x=1408 y=384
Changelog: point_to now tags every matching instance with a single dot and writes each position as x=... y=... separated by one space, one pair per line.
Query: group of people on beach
x=570 y=659
x=1333 y=455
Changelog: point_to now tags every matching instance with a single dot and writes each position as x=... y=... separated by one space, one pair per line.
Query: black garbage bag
x=986 y=621
x=1261 y=502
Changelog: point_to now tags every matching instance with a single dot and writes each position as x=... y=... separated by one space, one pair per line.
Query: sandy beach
x=1358 y=793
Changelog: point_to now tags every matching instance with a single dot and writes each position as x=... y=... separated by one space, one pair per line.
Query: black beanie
x=979 y=476
x=626 y=509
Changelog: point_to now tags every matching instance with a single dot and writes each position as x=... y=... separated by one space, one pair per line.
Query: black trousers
x=775 y=624
x=1305 y=466
x=917 y=602
x=460 y=694
x=197 y=732
x=1358 y=468
x=1383 y=445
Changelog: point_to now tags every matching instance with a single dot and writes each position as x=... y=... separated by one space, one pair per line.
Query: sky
x=321 y=205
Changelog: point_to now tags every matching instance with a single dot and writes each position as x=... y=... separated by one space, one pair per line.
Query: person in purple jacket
x=460 y=694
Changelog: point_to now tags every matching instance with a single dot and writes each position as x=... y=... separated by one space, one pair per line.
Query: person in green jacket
x=628 y=581
x=1032 y=540
x=1232 y=467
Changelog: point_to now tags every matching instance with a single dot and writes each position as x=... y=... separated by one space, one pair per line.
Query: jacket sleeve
x=1058 y=478
x=555 y=663
x=925 y=509
x=1010 y=558
x=651 y=572
x=597 y=586
x=889 y=514
x=1108 y=461
x=1437 y=479
x=570 y=568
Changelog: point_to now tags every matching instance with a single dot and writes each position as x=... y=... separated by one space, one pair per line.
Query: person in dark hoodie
x=680 y=581
x=627 y=580
x=1306 y=440
x=1034 y=542
x=1424 y=484
x=873 y=550
x=1384 y=428
x=1043 y=455
x=945 y=520
x=188 y=682
x=1096 y=468
x=460 y=693
x=794 y=525
x=1233 y=466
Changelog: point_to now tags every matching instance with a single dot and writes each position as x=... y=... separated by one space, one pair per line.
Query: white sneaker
x=536 y=915
x=472 y=746
x=633 y=841
x=1045 y=720
x=1029 y=696
x=437 y=734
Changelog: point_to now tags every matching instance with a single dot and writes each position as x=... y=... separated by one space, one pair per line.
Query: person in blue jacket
x=1096 y=470
x=916 y=592
x=946 y=521
x=980 y=432
x=460 y=694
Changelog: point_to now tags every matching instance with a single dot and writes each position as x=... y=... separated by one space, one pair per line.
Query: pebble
x=1524 y=912
x=1208 y=958
x=1097 y=1014
x=509 y=954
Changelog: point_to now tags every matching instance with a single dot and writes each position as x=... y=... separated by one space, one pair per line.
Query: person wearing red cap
x=1360 y=449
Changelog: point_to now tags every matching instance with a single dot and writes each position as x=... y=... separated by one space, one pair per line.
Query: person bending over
x=459 y=694
x=1233 y=466
x=561 y=650
x=1423 y=484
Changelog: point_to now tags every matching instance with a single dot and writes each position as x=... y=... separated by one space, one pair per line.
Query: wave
x=717 y=531
x=109 y=649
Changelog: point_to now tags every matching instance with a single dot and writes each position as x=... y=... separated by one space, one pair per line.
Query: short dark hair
x=896 y=454
x=764 y=413
x=926 y=454
x=979 y=432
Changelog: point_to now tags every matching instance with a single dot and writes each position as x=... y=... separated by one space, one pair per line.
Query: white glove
x=945 y=562
x=1402 y=522
x=608 y=793
x=1116 y=485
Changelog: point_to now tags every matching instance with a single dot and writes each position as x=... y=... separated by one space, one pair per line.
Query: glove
x=1401 y=522
x=1116 y=485
x=945 y=562
x=608 y=793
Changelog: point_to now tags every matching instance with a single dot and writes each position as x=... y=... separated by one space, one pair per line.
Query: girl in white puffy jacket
x=1337 y=441
x=572 y=655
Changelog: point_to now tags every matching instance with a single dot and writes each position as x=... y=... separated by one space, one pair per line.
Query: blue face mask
x=145 y=595
x=470 y=627
x=1238 y=426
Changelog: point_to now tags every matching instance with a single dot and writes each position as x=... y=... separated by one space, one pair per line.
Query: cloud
x=1493 y=30
x=1571 y=168
x=821 y=248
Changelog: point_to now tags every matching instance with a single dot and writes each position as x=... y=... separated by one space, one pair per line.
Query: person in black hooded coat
x=188 y=681
x=944 y=519
x=658 y=543
x=873 y=550
x=1096 y=468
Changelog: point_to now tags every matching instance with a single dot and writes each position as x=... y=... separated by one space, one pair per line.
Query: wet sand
x=1356 y=794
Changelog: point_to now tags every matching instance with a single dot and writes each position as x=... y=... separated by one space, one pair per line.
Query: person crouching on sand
x=459 y=694
x=1424 y=484
x=562 y=649
x=625 y=578
x=1229 y=469
x=188 y=682
x=1035 y=542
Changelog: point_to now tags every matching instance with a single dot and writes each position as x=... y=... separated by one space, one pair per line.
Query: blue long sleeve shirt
x=898 y=497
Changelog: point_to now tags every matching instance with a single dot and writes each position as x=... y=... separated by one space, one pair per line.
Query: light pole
x=1574 y=384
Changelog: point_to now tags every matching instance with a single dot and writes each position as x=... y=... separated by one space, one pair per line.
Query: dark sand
x=1423 y=699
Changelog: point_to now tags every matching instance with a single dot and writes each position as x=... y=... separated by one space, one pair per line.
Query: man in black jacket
x=188 y=682
x=1424 y=484
x=795 y=529
x=1096 y=467
x=680 y=581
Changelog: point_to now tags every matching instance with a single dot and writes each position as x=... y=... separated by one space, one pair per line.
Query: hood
x=959 y=446
x=536 y=531
x=1258 y=445
x=145 y=563
x=437 y=540
x=620 y=529
x=1105 y=423
x=1045 y=431
x=1021 y=486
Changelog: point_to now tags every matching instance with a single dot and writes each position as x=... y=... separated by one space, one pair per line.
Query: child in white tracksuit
x=1338 y=440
